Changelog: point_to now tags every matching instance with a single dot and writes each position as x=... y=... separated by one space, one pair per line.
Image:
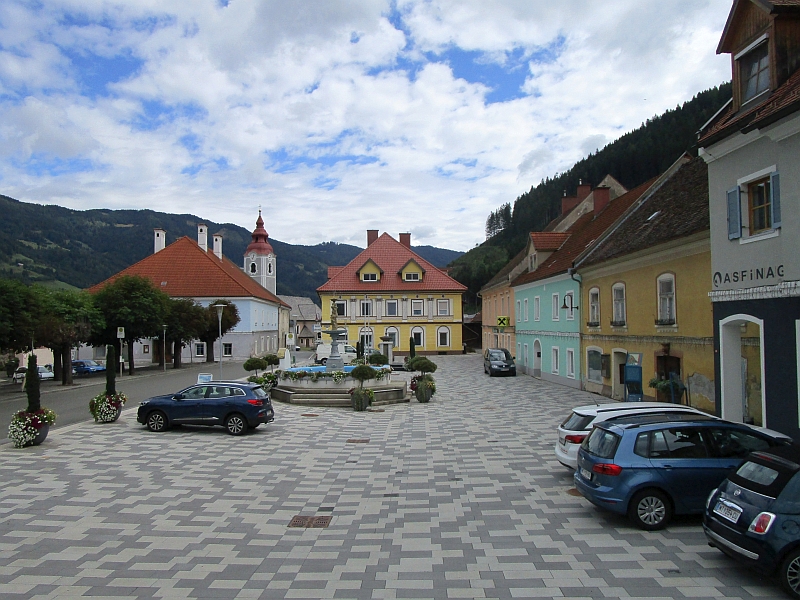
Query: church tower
x=259 y=258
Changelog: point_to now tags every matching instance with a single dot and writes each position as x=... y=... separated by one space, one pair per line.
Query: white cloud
x=327 y=114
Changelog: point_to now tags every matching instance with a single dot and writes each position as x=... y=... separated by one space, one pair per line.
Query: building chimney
x=568 y=203
x=372 y=235
x=159 y=240
x=584 y=189
x=601 y=196
x=202 y=236
x=405 y=239
x=218 y=245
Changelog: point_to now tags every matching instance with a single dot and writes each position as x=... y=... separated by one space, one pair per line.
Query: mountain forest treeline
x=632 y=159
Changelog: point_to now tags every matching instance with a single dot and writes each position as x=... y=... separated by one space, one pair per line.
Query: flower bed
x=25 y=426
x=106 y=408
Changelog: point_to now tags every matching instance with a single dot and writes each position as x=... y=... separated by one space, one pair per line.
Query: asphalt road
x=71 y=404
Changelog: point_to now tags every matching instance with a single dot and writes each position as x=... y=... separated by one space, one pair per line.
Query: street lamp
x=219 y=308
x=164 y=353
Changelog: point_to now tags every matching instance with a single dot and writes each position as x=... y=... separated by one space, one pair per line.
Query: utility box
x=633 y=383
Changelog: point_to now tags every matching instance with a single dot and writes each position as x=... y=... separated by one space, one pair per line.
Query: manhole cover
x=358 y=441
x=309 y=415
x=573 y=492
x=310 y=522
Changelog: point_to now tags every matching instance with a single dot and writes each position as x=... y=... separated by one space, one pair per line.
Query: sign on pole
x=121 y=333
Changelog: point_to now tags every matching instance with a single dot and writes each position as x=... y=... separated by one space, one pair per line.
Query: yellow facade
x=497 y=302
x=685 y=346
x=431 y=324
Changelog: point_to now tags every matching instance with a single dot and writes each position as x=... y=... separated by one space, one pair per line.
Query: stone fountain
x=335 y=360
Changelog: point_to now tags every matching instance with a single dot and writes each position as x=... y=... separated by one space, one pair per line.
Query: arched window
x=269 y=268
x=394 y=334
x=618 y=298
x=418 y=334
x=666 y=299
x=443 y=337
x=594 y=307
x=253 y=268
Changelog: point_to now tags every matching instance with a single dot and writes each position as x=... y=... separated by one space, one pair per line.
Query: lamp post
x=164 y=351
x=219 y=308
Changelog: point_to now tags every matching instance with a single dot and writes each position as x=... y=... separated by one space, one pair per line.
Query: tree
x=18 y=314
x=412 y=348
x=134 y=303
x=186 y=320
x=255 y=364
x=230 y=317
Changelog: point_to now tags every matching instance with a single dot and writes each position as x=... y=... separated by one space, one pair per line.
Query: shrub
x=422 y=364
x=412 y=351
x=361 y=398
x=362 y=373
x=255 y=364
x=378 y=359
x=272 y=360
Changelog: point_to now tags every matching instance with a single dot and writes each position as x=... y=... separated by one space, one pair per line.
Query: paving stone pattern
x=459 y=498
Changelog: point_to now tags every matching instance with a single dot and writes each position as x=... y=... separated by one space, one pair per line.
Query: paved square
x=459 y=498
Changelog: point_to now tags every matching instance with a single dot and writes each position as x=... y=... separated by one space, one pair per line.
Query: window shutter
x=775 y=201
x=734 y=214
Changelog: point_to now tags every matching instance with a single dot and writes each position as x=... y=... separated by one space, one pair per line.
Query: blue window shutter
x=775 y=201
x=734 y=214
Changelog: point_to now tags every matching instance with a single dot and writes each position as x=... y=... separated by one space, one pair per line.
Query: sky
x=333 y=117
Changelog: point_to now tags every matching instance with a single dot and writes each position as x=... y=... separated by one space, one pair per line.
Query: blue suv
x=234 y=405
x=652 y=467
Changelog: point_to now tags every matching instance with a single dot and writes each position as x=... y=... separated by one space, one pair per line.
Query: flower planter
x=40 y=436
x=423 y=393
x=107 y=409
x=361 y=400
x=30 y=429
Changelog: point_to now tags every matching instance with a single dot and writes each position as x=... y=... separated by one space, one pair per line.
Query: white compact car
x=323 y=352
x=579 y=423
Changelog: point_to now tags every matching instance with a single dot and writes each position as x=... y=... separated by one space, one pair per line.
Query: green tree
x=186 y=320
x=230 y=317
x=255 y=364
x=412 y=348
x=134 y=303
x=18 y=314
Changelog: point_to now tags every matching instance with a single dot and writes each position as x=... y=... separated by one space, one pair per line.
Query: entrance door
x=741 y=369
x=537 y=359
x=665 y=367
x=619 y=357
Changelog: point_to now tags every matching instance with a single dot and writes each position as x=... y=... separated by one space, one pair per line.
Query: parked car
x=574 y=429
x=754 y=516
x=498 y=361
x=235 y=405
x=323 y=352
x=86 y=367
x=19 y=374
x=651 y=467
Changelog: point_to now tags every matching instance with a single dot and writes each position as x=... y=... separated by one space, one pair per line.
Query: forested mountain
x=632 y=159
x=57 y=246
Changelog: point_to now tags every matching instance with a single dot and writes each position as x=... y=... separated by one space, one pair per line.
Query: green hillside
x=634 y=158
x=57 y=246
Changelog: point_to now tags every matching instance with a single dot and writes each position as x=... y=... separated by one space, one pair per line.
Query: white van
x=346 y=351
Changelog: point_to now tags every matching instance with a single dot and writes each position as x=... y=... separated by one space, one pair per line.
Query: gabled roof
x=184 y=270
x=585 y=231
x=391 y=256
x=408 y=262
x=677 y=209
x=548 y=240
x=369 y=260
x=768 y=6
x=303 y=308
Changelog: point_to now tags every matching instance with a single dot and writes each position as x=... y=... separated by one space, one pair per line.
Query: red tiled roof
x=391 y=256
x=548 y=240
x=584 y=232
x=332 y=271
x=183 y=270
x=260 y=243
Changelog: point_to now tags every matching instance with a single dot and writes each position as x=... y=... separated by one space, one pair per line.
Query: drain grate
x=391 y=495
x=309 y=415
x=456 y=479
x=310 y=522
x=376 y=410
x=358 y=441
x=326 y=508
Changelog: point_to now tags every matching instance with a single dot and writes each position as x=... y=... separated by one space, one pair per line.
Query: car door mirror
x=178 y=397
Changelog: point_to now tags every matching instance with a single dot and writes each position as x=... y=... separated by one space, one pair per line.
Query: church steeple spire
x=259 y=258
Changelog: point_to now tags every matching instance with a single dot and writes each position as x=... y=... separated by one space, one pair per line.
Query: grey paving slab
x=459 y=498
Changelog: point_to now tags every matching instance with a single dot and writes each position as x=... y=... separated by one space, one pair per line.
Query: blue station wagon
x=234 y=405
x=652 y=467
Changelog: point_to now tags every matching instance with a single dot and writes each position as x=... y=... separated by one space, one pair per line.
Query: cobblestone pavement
x=459 y=498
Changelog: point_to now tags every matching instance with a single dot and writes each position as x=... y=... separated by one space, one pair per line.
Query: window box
x=593 y=323
x=665 y=322
x=618 y=323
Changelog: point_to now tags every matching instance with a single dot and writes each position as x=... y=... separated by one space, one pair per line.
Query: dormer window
x=754 y=72
x=369 y=277
x=412 y=276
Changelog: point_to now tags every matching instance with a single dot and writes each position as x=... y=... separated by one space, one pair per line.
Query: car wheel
x=323 y=362
x=650 y=510
x=236 y=424
x=790 y=574
x=157 y=421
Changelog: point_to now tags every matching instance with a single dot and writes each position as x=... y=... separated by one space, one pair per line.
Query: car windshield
x=499 y=355
x=601 y=443
x=768 y=479
x=577 y=422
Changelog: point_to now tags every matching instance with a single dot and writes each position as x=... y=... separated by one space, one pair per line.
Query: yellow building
x=388 y=291
x=645 y=288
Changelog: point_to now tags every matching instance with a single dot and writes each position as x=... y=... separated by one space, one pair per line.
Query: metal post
x=164 y=353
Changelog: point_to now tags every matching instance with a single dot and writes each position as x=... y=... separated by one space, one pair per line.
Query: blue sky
x=401 y=115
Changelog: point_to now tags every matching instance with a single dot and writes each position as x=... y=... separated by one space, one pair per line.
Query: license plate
x=586 y=474
x=727 y=512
